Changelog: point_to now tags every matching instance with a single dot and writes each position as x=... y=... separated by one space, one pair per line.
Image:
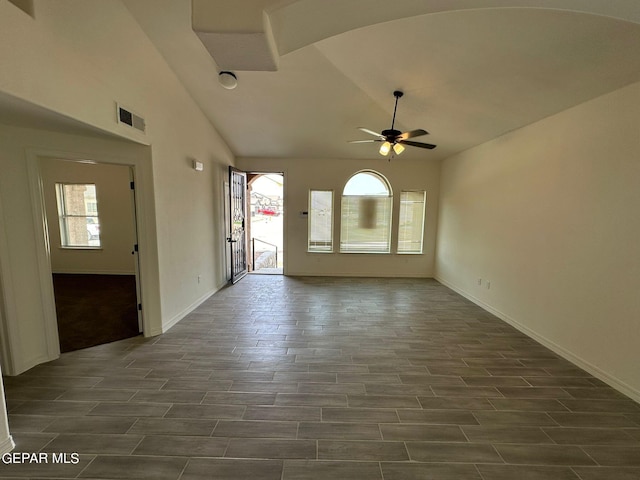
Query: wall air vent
x=126 y=117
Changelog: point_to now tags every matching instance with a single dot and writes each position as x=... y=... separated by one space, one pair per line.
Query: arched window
x=367 y=201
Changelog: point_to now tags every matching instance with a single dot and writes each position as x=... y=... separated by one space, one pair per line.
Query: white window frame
x=314 y=245
x=414 y=225
x=63 y=219
x=369 y=201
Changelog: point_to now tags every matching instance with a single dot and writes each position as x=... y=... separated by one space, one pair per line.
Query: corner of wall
x=594 y=370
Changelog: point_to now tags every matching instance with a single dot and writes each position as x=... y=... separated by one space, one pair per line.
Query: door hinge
x=140 y=306
x=132 y=185
x=135 y=247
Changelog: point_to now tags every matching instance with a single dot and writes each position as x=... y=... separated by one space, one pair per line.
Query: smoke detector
x=228 y=80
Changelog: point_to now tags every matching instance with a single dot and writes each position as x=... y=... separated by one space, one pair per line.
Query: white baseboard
x=94 y=272
x=7 y=445
x=29 y=363
x=594 y=370
x=176 y=318
x=359 y=275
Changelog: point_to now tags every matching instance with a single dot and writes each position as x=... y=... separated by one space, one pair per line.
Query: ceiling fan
x=395 y=139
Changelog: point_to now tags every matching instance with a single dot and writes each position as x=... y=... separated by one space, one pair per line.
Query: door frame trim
x=149 y=295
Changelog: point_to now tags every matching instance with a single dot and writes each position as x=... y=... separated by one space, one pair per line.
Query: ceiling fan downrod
x=396 y=94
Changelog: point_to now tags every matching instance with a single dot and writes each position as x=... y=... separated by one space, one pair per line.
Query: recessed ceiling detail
x=469 y=75
x=236 y=42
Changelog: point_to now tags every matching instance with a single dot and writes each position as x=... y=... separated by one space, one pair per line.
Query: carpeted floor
x=94 y=309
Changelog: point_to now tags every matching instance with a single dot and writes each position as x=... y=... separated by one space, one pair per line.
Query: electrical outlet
x=479 y=281
x=199 y=278
x=488 y=285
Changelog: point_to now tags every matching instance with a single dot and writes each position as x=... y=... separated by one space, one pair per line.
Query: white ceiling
x=469 y=76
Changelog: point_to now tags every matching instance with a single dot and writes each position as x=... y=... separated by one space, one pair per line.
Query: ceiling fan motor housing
x=391 y=135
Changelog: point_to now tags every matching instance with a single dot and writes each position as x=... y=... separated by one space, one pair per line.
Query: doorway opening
x=265 y=228
x=92 y=238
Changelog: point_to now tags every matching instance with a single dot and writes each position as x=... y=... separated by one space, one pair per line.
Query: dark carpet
x=94 y=309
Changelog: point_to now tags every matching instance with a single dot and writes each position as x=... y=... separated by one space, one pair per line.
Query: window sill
x=80 y=248
x=365 y=253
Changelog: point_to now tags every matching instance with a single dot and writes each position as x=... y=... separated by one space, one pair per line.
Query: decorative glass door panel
x=238 y=238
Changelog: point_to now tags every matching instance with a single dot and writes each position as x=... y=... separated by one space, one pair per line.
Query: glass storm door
x=238 y=238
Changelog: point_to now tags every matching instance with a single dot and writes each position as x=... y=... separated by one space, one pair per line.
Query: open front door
x=238 y=238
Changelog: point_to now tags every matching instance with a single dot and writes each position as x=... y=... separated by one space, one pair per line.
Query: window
x=411 y=225
x=78 y=215
x=320 y=221
x=366 y=214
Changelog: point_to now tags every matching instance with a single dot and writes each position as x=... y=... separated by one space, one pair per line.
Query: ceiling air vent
x=128 y=118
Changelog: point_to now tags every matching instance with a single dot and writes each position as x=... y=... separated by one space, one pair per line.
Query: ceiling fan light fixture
x=393 y=138
x=385 y=148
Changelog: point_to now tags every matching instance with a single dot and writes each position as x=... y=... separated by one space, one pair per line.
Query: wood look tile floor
x=281 y=378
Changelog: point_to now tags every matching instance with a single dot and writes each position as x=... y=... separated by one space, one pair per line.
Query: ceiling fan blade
x=418 y=144
x=365 y=141
x=412 y=133
x=370 y=132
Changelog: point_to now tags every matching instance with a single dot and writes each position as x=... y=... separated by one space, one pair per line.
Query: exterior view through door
x=265 y=226
x=256 y=222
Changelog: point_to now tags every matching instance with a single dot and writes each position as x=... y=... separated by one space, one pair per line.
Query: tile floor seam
x=588 y=455
x=86 y=466
x=466 y=335
x=132 y=425
x=184 y=468
x=142 y=437
x=480 y=476
x=49 y=442
x=542 y=429
x=577 y=474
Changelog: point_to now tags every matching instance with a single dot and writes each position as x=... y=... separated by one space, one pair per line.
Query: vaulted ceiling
x=469 y=74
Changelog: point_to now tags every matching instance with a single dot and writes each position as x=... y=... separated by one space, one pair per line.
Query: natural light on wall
x=411 y=224
x=78 y=215
x=367 y=201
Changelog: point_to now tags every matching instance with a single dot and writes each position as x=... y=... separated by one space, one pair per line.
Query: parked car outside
x=93 y=229
x=269 y=211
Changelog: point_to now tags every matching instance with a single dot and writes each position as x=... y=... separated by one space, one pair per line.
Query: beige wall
x=78 y=58
x=115 y=210
x=301 y=175
x=24 y=263
x=549 y=216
